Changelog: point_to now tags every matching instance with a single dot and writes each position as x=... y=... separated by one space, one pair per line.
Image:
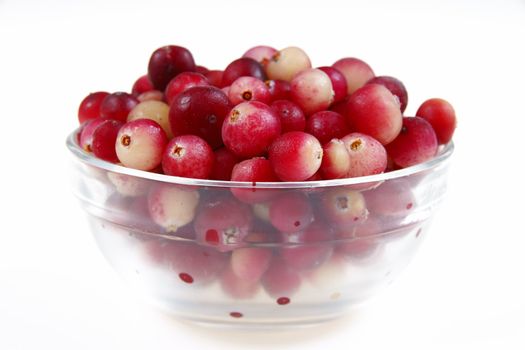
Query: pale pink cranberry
x=441 y=115
x=223 y=165
x=188 y=156
x=140 y=144
x=183 y=82
x=250 y=263
x=374 y=111
x=153 y=95
x=104 y=137
x=295 y=156
x=308 y=249
x=280 y=280
x=286 y=63
x=367 y=155
x=338 y=82
x=253 y=170
x=223 y=224
x=90 y=106
x=142 y=85
x=391 y=198
x=128 y=186
x=215 y=78
x=86 y=134
x=117 y=106
x=291 y=212
x=336 y=160
x=262 y=54
x=327 y=125
x=237 y=287
x=172 y=207
x=329 y=274
x=312 y=90
x=416 y=143
x=291 y=115
x=243 y=67
x=248 y=89
x=343 y=206
x=155 y=110
x=194 y=264
x=356 y=72
x=279 y=89
x=167 y=62
x=250 y=128
x=200 y=111
x=396 y=87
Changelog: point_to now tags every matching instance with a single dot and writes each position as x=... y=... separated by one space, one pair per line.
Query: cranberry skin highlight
x=104 y=137
x=188 y=156
x=242 y=67
x=416 y=143
x=117 y=106
x=250 y=128
x=441 y=115
x=295 y=156
x=374 y=111
x=200 y=111
x=90 y=106
x=396 y=87
x=183 y=82
x=167 y=62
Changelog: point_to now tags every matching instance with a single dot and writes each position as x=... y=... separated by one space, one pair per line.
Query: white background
x=464 y=290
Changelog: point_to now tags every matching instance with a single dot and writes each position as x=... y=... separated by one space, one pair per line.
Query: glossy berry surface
x=183 y=82
x=245 y=89
x=167 y=62
x=326 y=125
x=243 y=67
x=291 y=115
x=142 y=85
x=262 y=54
x=223 y=164
x=86 y=134
x=396 y=87
x=188 y=156
x=336 y=160
x=355 y=71
x=155 y=110
x=338 y=82
x=90 y=106
x=250 y=128
x=104 y=137
x=291 y=212
x=312 y=90
x=367 y=155
x=200 y=111
x=117 y=106
x=441 y=115
x=286 y=63
x=253 y=170
x=279 y=89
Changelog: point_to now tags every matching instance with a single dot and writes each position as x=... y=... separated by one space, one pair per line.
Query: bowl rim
x=443 y=155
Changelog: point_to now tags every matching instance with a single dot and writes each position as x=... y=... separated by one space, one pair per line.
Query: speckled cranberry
x=312 y=90
x=342 y=206
x=172 y=207
x=188 y=156
x=248 y=89
x=250 y=263
x=367 y=155
x=262 y=54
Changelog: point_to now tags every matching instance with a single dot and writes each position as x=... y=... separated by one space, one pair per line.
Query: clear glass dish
x=262 y=254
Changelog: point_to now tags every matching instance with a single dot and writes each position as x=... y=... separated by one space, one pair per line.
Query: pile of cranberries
x=268 y=116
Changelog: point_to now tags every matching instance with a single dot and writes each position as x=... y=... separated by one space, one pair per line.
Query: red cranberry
x=262 y=54
x=90 y=106
x=343 y=206
x=243 y=67
x=188 y=156
x=253 y=170
x=291 y=212
x=279 y=89
x=440 y=114
x=250 y=128
x=327 y=125
x=356 y=72
x=215 y=78
x=291 y=115
x=183 y=82
x=416 y=143
x=391 y=198
x=396 y=87
x=280 y=280
x=86 y=134
x=142 y=85
x=223 y=165
x=104 y=137
x=201 y=69
x=336 y=160
x=168 y=61
x=200 y=111
x=117 y=106
x=248 y=89
x=338 y=82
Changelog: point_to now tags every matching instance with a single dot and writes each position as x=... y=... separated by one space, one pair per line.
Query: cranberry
x=167 y=62
x=237 y=287
x=183 y=82
x=140 y=144
x=295 y=156
x=153 y=95
x=223 y=165
x=374 y=111
x=416 y=143
x=367 y=155
x=215 y=78
x=250 y=128
x=117 y=106
x=338 y=82
x=262 y=54
x=327 y=125
x=440 y=114
x=188 y=156
x=336 y=160
x=155 y=110
x=343 y=206
x=250 y=263
x=200 y=111
x=90 y=106
x=253 y=170
x=291 y=212
x=280 y=280
x=248 y=89
x=201 y=69
x=104 y=137
x=243 y=67
x=356 y=72
x=291 y=115
x=286 y=63
x=279 y=89
x=395 y=86
x=312 y=90
x=172 y=207
x=391 y=198
x=142 y=85
x=86 y=134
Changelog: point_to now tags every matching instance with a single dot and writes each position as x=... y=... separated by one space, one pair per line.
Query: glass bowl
x=240 y=253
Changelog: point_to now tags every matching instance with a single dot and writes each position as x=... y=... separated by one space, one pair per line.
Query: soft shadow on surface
x=251 y=337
